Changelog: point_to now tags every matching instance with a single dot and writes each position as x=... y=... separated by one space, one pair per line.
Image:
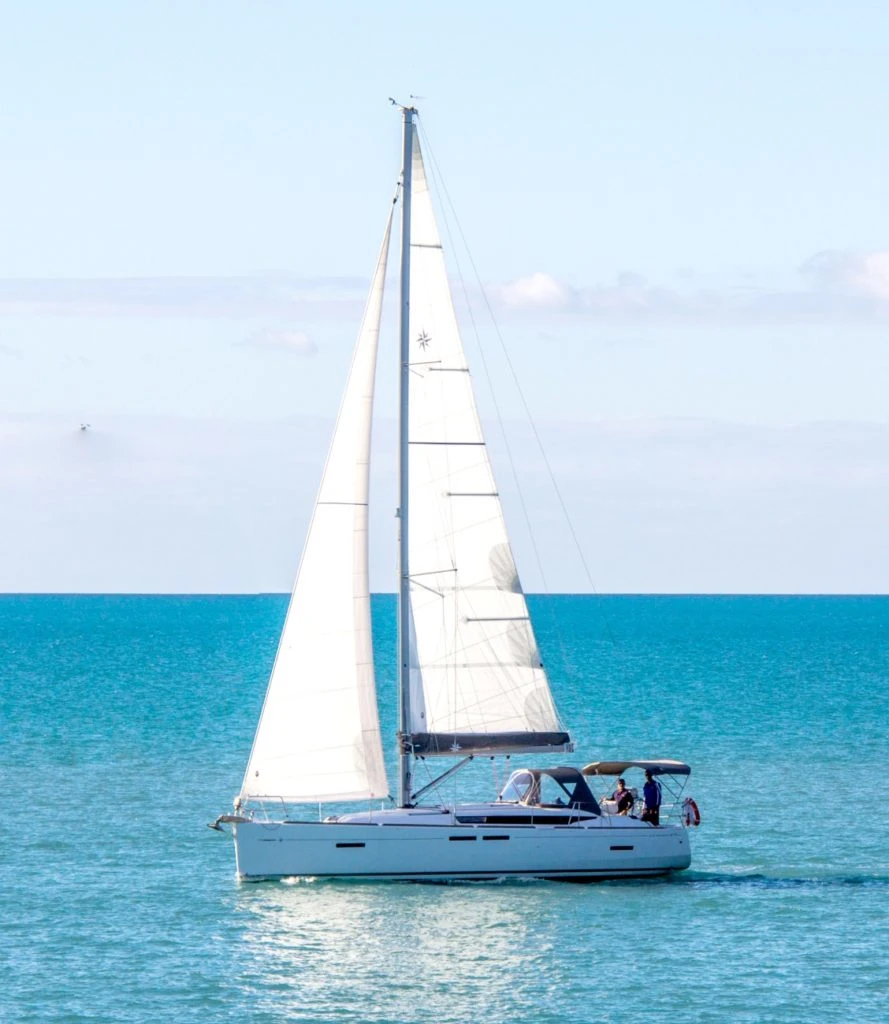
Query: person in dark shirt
x=651 y=798
x=622 y=797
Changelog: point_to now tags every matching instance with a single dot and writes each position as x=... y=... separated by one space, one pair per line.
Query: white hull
x=441 y=849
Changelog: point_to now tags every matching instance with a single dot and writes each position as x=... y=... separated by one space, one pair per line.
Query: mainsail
x=319 y=736
x=476 y=679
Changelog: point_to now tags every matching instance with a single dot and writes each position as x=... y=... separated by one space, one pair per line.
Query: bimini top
x=619 y=767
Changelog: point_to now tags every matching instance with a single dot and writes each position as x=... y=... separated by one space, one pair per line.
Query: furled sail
x=319 y=736
x=477 y=682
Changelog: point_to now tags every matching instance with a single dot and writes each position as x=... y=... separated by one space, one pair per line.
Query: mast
x=404 y=606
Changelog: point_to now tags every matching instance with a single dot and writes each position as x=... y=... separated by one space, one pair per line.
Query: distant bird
x=84 y=426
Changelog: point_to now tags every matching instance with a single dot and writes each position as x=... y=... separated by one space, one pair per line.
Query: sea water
x=126 y=723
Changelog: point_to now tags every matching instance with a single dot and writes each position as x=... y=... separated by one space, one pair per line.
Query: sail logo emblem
x=423 y=340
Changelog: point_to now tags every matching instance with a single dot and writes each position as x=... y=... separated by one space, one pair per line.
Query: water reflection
x=378 y=952
x=537 y=952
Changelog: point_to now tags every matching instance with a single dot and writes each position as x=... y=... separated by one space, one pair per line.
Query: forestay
x=477 y=682
x=319 y=737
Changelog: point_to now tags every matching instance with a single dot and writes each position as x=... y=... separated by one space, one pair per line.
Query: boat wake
x=758 y=880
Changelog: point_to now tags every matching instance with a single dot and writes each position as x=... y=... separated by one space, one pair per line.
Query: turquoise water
x=126 y=723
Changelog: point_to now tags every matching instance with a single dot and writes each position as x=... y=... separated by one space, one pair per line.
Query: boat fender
x=690 y=813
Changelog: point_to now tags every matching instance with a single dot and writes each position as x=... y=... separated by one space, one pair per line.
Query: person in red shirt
x=622 y=797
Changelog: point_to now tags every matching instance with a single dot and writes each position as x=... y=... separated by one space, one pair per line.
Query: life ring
x=690 y=813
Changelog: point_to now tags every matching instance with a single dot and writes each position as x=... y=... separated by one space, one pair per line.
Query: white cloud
x=836 y=286
x=872 y=277
x=537 y=291
x=864 y=274
x=284 y=340
x=841 y=288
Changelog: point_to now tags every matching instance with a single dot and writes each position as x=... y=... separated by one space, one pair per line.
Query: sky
x=676 y=215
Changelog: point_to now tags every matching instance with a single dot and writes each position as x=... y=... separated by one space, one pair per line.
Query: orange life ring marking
x=691 y=815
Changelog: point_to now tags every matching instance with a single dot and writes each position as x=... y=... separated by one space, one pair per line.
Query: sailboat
x=471 y=682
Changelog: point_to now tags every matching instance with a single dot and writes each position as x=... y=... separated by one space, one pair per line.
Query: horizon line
x=393 y=594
